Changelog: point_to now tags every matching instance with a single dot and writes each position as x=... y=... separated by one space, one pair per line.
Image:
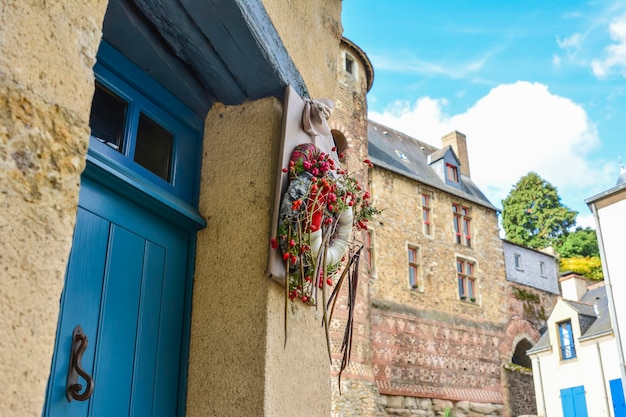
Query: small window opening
x=349 y=64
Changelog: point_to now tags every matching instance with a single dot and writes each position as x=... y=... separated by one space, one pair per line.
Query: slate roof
x=594 y=321
x=387 y=146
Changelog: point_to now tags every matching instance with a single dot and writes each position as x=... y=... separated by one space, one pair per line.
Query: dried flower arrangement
x=321 y=208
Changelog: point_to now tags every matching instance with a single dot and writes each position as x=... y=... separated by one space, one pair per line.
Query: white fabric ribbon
x=314 y=116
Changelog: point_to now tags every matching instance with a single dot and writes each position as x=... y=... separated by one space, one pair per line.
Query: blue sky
x=535 y=85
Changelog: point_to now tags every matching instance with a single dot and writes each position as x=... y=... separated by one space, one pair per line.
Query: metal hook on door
x=73 y=388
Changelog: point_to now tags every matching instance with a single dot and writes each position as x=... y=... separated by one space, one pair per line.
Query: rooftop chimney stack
x=459 y=144
x=573 y=286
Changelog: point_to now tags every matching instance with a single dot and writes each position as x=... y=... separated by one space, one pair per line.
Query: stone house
x=442 y=310
x=132 y=239
x=575 y=363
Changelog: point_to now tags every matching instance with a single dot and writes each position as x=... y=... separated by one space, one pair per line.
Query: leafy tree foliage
x=589 y=267
x=581 y=242
x=533 y=214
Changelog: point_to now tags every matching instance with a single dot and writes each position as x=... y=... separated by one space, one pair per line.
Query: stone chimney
x=459 y=144
x=573 y=286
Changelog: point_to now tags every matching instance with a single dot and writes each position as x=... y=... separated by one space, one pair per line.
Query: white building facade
x=608 y=209
x=575 y=363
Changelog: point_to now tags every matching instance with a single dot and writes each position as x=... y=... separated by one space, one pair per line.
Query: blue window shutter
x=617 y=397
x=573 y=402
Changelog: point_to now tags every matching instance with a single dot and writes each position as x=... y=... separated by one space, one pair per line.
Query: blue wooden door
x=125 y=286
x=617 y=396
x=573 y=402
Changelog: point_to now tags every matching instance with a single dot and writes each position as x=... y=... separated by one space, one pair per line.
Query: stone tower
x=359 y=394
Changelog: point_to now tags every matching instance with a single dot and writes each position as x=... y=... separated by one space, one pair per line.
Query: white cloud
x=514 y=129
x=572 y=42
x=407 y=63
x=615 y=54
x=571 y=47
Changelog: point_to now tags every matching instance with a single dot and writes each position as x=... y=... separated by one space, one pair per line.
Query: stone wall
x=359 y=393
x=403 y=406
x=519 y=390
x=401 y=225
x=46 y=85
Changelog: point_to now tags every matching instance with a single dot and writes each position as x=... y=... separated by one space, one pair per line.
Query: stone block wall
x=519 y=391
x=401 y=406
x=401 y=225
x=47 y=51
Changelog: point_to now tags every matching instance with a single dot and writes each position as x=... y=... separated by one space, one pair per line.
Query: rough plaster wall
x=238 y=364
x=311 y=31
x=47 y=50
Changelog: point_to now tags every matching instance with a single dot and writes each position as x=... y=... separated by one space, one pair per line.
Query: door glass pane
x=153 y=149
x=108 y=113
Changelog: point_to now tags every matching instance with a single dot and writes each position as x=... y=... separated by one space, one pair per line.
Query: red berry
x=329 y=282
x=285 y=170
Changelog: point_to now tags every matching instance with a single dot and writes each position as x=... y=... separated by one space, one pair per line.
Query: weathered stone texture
x=50 y=47
x=401 y=224
x=359 y=395
x=435 y=407
x=42 y=150
x=47 y=50
x=310 y=31
x=357 y=399
x=520 y=392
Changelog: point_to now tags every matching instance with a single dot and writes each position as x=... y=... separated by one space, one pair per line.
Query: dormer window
x=452 y=173
x=568 y=351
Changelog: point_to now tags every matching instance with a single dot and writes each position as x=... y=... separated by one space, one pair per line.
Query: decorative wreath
x=322 y=206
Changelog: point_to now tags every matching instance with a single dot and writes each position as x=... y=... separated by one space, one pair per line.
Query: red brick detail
x=414 y=356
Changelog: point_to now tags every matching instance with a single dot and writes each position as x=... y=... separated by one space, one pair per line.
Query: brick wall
x=435 y=355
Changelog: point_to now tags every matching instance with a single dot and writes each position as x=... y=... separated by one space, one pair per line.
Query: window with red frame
x=466 y=280
x=462 y=225
x=452 y=172
x=426 y=213
x=413 y=255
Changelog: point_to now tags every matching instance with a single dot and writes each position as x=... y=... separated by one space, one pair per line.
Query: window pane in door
x=108 y=114
x=153 y=149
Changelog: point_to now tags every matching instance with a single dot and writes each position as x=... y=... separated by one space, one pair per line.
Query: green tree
x=580 y=243
x=589 y=266
x=533 y=214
